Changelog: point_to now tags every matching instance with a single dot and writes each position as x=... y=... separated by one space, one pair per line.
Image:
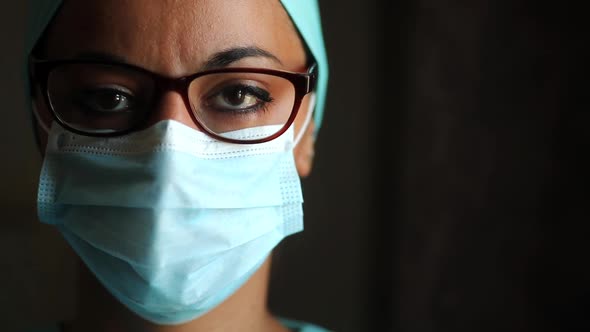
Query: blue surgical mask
x=171 y=221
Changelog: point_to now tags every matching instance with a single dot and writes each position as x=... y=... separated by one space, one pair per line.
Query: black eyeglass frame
x=304 y=83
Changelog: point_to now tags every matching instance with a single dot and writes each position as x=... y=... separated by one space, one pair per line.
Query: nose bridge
x=172 y=105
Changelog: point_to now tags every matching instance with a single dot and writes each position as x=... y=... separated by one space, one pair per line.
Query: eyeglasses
x=100 y=98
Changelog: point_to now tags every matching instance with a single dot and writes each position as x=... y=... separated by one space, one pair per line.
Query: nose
x=171 y=106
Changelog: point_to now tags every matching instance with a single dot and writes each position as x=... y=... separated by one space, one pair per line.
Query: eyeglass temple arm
x=312 y=78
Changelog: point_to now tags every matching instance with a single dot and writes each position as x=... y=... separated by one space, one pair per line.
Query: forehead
x=174 y=37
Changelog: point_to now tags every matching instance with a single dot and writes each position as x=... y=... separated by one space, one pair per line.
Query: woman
x=174 y=134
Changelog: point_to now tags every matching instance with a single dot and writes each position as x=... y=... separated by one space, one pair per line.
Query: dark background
x=449 y=191
x=451 y=186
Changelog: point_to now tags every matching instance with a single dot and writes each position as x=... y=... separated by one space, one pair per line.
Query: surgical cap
x=304 y=13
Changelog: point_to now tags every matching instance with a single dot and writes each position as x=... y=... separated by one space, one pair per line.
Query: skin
x=175 y=38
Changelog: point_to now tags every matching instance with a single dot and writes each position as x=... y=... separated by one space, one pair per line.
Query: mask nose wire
x=306 y=121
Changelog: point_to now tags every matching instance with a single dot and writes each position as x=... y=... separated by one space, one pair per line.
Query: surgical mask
x=171 y=221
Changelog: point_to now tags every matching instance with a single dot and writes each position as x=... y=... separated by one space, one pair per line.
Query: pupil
x=109 y=100
x=235 y=96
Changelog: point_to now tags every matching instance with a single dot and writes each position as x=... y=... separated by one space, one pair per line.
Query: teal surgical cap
x=304 y=13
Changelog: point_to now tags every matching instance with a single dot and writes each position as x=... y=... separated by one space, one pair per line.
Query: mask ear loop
x=306 y=121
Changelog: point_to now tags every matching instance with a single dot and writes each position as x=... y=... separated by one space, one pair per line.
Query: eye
x=105 y=100
x=239 y=97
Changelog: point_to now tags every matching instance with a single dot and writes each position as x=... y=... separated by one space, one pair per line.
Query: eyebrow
x=100 y=56
x=227 y=57
x=217 y=60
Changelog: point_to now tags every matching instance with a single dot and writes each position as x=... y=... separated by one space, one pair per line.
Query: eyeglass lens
x=97 y=98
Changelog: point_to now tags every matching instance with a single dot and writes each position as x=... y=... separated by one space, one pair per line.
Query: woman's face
x=179 y=37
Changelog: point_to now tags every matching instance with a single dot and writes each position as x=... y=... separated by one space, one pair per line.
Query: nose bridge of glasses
x=171 y=103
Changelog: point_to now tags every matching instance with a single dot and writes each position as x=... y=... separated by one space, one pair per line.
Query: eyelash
x=258 y=93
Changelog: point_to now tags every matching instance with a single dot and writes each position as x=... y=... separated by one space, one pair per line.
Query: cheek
x=304 y=151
